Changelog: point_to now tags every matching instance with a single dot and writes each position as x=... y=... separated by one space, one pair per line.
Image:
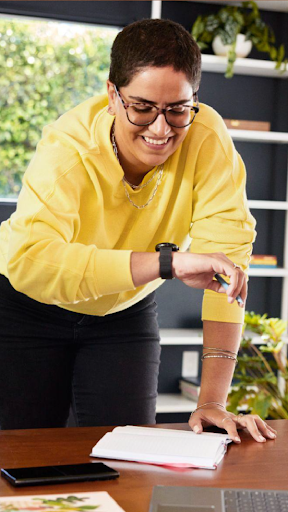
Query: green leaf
x=281 y=53
x=260 y=404
x=235 y=399
x=273 y=53
x=198 y=27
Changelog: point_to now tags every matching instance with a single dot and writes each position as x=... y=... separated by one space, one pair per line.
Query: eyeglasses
x=143 y=114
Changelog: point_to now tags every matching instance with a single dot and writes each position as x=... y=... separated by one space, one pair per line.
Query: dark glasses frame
x=159 y=110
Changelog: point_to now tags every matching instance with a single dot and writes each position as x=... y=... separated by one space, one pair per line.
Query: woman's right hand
x=198 y=270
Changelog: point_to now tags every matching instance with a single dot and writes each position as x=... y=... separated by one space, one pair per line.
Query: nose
x=160 y=127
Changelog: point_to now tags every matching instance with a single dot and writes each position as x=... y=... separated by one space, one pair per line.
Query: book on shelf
x=74 y=501
x=241 y=124
x=176 y=448
x=190 y=387
x=263 y=261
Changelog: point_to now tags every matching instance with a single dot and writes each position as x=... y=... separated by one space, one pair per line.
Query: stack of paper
x=163 y=446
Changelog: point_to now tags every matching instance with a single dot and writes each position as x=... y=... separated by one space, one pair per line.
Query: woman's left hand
x=215 y=415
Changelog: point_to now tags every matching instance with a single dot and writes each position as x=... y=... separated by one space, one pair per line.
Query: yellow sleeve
x=44 y=261
x=221 y=220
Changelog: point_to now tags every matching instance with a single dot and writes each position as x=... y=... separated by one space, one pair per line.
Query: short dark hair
x=157 y=43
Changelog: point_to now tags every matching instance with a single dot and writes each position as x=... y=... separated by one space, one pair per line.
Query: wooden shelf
x=251 y=67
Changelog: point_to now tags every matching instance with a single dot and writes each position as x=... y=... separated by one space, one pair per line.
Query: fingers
x=197 y=427
x=238 y=281
x=229 y=425
x=258 y=429
x=197 y=422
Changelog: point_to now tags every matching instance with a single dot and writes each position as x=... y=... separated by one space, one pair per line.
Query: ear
x=111 y=98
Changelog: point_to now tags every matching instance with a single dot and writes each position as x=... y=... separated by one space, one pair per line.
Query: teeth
x=157 y=142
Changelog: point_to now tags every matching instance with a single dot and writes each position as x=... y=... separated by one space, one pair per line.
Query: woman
x=110 y=180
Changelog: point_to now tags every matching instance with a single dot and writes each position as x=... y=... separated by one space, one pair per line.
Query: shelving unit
x=269 y=138
x=250 y=67
x=175 y=403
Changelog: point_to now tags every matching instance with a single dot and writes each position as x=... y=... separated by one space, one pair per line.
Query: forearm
x=144 y=267
x=217 y=372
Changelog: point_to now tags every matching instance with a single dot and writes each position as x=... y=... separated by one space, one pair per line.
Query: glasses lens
x=180 y=116
x=141 y=114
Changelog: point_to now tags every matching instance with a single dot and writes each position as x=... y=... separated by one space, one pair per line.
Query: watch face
x=173 y=247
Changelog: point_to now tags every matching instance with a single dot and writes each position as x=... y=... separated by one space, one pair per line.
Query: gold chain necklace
x=125 y=182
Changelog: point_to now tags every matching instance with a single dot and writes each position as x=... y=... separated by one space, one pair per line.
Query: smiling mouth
x=156 y=142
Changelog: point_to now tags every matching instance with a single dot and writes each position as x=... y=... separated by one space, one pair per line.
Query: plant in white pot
x=233 y=30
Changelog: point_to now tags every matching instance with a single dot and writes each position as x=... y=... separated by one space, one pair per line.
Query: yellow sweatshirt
x=70 y=240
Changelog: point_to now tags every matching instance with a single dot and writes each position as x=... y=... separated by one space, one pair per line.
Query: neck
x=131 y=176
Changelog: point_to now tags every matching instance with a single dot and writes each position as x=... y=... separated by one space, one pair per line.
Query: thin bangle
x=207 y=403
x=220 y=350
x=212 y=356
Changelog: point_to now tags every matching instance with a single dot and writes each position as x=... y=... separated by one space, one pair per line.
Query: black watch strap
x=165 y=259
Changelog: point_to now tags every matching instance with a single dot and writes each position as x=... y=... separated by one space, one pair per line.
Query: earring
x=109 y=110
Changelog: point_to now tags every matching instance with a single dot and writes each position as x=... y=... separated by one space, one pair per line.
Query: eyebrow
x=142 y=100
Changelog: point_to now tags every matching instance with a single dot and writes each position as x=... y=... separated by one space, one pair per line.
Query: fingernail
x=237 y=439
x=230 y=299
x=196 y=429
x=261 y=438
x=270 y=434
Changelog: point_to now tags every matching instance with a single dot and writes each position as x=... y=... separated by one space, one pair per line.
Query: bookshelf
x=175 y=403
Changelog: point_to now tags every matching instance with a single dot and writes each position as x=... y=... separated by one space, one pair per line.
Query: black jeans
x=105 y=367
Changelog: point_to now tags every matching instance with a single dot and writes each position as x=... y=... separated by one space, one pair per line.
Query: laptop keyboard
x=255 y=501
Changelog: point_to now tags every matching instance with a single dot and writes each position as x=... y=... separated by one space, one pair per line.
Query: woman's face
x=137 y=148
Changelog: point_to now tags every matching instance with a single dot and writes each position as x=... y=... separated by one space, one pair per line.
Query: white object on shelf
x=242 y=49
x=251 y=67
x=190 y=363
x=174 y=403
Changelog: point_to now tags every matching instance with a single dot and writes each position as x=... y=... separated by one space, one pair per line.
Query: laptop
x=209 y=499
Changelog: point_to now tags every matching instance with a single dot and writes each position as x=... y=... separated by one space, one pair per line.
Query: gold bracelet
x=207 y=403
x=223 y=356
x=220 y=350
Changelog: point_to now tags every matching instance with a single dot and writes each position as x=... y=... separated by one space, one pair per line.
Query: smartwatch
x=165 y=258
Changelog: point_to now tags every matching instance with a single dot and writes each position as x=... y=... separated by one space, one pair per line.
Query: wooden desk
x=251 y=464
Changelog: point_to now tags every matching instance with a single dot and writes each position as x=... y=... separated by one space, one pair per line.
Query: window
x=46 y=68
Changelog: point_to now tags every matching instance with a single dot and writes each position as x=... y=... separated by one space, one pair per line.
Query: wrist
x=215 y=405
x=175 y=264
x=166 y=250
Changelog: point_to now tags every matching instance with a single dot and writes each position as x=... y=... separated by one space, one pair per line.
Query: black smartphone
x=58 y=474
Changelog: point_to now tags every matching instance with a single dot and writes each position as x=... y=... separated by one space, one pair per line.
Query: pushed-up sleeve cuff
x=113 y=272
x=216 y=307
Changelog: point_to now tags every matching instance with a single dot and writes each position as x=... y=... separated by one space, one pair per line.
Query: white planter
x=243 y=47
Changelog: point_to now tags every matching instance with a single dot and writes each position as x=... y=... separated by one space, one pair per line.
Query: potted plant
x=257 y=388
x=232 y=22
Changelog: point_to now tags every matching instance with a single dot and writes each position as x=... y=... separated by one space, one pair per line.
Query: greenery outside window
x=46 y=68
